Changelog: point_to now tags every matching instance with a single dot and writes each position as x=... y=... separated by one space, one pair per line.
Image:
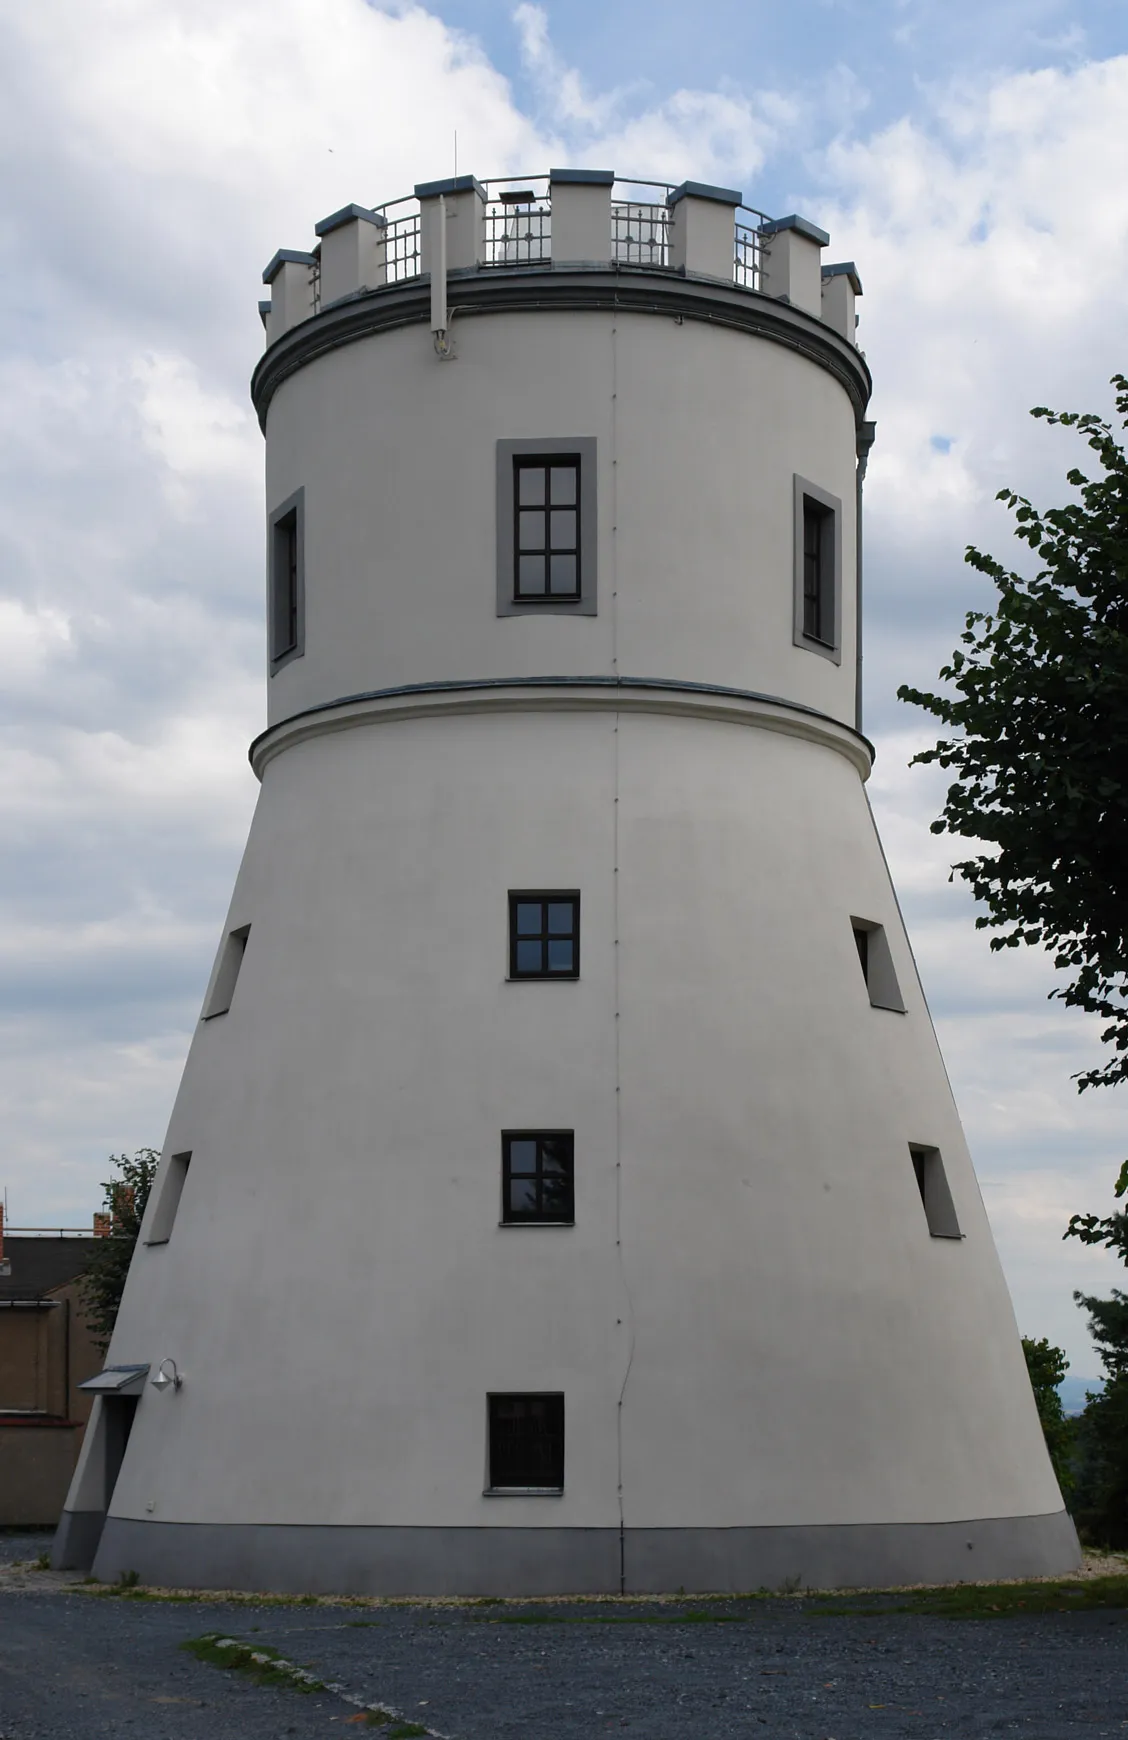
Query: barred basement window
x=537 y=1177
x=818 y=570
x=227 y=973
x=526 y=1447
x=932 y=1182
x=544 y=936
x=287 y=581
x=877 y=965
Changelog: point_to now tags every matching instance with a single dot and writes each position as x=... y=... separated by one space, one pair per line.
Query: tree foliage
x=1047 y=1366
x=103 y=1280
x=1101 y=1497
x=1040 y=705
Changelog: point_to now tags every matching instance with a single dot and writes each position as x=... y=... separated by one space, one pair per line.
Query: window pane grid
x=544 y=932
x=546 y=542
x=527 y=1442
x=813 y=587
x=537 y=1176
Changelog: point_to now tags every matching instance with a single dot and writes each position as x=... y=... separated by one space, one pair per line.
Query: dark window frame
x=818 y=570
x=504 y=1470
x=226 y=976
x=286 y=589
x=543 y=513
x=511 y=456
x=545 y=897
x=542 y=1178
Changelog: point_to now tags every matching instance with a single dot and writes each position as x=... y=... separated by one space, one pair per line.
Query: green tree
x=1047 y=1366
x=1039 y=699
x=1102 y=1431
x=103 y=1279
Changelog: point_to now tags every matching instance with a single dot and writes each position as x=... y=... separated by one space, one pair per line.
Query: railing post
x=352 y=252
x=465 y=199
x=290 y=276
x=581 y=215
x=840 y=285
x=791 y=266
x=703 y=229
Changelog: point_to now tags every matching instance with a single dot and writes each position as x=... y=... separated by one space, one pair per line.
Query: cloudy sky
x=972 y=159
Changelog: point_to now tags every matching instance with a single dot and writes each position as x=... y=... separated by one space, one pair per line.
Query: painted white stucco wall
x=750 y=1321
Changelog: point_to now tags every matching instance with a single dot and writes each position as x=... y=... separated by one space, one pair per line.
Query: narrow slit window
x=227 y=973
x=537 y=1178
x=526 y=1443
x=878 y=971
x=287 y=581
x=544 y=936
x=935 y=1195
x=170 y=1190
x=818 y=570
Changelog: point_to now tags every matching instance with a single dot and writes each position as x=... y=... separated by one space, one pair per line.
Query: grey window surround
x=935 y=1194
x=168 y=1201
x=804 y=491
x=879 y=971
x=293 y=505
x=584 y=448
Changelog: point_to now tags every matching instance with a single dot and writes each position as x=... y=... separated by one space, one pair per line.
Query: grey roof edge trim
x=346 y=215
x=451 y=184
x=803 y=225
x=610 y=686
x=128 y=1375
x=502 y=290
x=704 y=190
x=286 y=255
x=844 y=269
x=583 y=177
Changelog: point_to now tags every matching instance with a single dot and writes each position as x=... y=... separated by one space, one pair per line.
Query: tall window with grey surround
x=286 y=544
x=546 y=527
x=818 y=570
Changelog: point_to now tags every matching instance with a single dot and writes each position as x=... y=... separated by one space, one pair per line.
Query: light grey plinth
x=553 y=1561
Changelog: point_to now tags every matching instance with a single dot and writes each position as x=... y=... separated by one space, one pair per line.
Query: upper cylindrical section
x=621 y=445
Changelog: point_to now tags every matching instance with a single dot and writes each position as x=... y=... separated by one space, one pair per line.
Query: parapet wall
x=569 y=218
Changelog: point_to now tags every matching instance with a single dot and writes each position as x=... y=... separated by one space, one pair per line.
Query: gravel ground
x=75 y=1666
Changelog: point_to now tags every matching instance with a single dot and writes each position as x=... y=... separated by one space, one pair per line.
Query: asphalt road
x=75 y=1666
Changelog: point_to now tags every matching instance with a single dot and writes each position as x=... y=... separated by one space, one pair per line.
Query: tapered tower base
x=557 y=1561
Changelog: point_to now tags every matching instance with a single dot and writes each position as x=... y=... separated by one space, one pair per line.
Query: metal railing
x=517 y=222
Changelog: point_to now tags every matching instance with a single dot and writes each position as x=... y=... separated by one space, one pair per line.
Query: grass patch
x=991 y=1601
x=263 y=1665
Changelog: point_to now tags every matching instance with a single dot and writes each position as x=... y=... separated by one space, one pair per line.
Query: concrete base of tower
x=286 y=1558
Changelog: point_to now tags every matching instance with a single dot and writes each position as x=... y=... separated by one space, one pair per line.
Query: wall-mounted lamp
x=164 y=1378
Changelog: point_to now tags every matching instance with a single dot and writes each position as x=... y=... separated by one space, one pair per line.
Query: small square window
x=287 y=581
x=536 y=1177
x=932 y=1182
x=877 y=965
x=818 y=570
x=526 y=1443
x=546 y=528
x=544 y=936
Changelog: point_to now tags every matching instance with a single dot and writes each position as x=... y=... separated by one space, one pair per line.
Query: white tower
x=564 y=1191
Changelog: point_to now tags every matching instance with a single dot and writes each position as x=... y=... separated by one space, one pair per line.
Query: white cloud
x=166 y=148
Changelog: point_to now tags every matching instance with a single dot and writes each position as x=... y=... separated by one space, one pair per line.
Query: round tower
x=564 y=1191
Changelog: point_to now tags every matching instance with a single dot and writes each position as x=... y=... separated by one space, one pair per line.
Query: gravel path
x=76 y=1666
